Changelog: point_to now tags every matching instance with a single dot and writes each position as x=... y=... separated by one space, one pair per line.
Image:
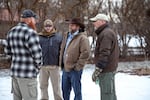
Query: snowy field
x=128 y=87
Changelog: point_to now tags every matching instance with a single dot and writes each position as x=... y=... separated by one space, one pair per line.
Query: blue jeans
x=69 y=80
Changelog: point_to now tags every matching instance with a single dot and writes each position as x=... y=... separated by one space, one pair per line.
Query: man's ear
x=28 y=20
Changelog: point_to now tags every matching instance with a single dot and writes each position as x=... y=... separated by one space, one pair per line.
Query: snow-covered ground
x=128 y=87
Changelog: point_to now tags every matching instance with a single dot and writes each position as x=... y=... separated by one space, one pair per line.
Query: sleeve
x=7 y=48
x=84 y=53
x=104 y=51
x=34 y=48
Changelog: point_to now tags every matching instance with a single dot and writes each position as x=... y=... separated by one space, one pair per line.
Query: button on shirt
x=70 y=37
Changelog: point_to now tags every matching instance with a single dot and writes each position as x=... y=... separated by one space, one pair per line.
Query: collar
x=101 y=28
x=22 y=24
x=74 y=34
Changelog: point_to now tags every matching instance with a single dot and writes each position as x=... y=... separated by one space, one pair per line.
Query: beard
x=32 y=25
x=72 y=30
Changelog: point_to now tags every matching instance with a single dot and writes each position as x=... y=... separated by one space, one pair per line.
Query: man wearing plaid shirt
x=25 y=51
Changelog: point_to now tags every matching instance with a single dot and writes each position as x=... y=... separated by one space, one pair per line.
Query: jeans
x=69 y=80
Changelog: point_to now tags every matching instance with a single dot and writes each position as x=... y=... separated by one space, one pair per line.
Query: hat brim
x=93 y=19
x=77 y=23
x=35 y=16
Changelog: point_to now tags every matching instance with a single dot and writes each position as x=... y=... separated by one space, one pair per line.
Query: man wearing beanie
x=26 y=55
x=106 y=57
x=75 y=50
x=50 y=42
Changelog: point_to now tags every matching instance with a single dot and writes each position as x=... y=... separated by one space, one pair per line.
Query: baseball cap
x=28 y=13
x=99 y=17
x=48 y=22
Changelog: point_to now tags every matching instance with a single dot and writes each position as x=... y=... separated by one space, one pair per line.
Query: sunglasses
x=48 y=26
x=94 y=21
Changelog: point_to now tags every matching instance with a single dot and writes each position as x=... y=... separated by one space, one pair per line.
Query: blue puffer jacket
x=50 y=48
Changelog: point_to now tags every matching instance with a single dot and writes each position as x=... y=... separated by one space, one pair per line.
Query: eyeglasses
x=48 y=26
x=94 y=21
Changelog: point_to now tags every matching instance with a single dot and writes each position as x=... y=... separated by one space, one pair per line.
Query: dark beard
x=72 y=31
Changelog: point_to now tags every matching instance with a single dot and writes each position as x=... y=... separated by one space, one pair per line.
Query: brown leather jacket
x=107 y=50
x=77 y=53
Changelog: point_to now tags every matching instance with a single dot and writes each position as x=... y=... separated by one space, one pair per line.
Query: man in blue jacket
x=50 y=42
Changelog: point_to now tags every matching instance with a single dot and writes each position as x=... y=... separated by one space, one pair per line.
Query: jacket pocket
x=69 y=61
x=32 y=89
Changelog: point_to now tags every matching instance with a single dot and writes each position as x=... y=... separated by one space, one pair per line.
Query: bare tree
x=127 y=16
x=131 y=15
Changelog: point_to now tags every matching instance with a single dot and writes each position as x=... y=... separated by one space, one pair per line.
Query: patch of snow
x=128 y=87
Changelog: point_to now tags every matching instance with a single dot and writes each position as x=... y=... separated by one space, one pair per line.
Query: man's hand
x=3 y=42
x=96 y=74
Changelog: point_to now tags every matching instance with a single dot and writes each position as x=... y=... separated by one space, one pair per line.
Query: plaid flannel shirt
x=25 y=51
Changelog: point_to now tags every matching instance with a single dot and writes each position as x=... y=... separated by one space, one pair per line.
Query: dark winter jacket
x=107 y=50
x=50 y=48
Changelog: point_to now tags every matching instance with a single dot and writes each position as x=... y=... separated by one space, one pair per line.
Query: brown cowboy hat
x=76 y=21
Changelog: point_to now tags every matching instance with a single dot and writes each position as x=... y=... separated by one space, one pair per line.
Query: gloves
x=96 y=73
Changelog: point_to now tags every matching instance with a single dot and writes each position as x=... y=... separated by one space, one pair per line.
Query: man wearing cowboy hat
x=74 y=52
x=106 y=57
